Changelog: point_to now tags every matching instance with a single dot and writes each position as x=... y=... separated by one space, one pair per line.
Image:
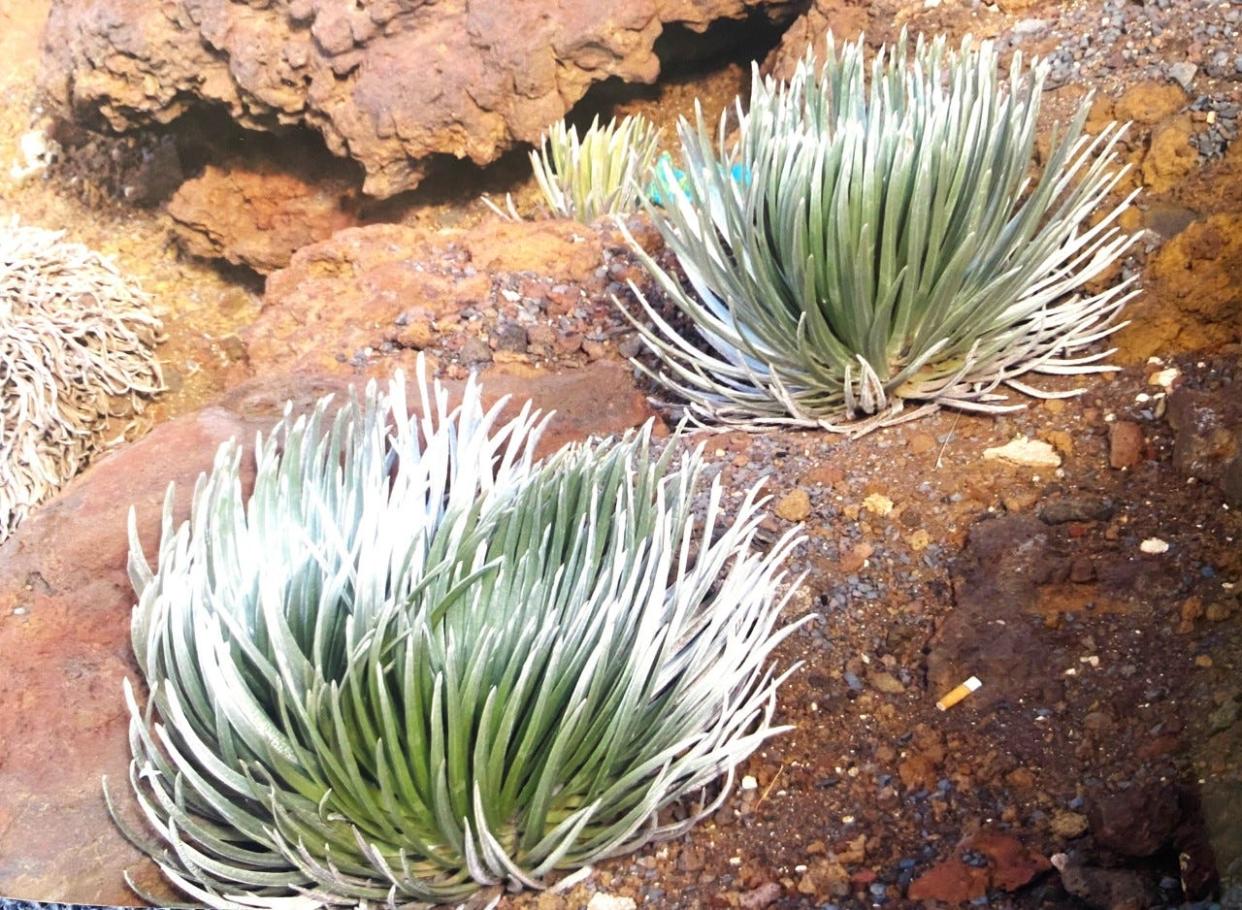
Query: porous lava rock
x=1170 y=157
x=1195 y=292
x=388 y=83
x=364 y=290
x=255 y=216
x=1193 y=296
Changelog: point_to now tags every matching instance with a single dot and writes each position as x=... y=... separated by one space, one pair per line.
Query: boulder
x=371 y=294
x=64 y=626
x=65 y=601
x=255 y=216
x=388 y=83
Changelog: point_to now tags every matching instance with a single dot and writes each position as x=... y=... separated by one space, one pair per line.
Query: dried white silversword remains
x=77 y=363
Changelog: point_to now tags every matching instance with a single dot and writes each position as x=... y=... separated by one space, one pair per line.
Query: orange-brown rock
x=950 y=882
x=1149 y=102
x=1195 y=293
x=1215 y=188
x=388 y=83
x=882 y=22
x=1170 y=157
x=257 y=217
x=1125 y=444
x=64 y=619
x=1201 y=268
x=1012 y=865
x=351 y=294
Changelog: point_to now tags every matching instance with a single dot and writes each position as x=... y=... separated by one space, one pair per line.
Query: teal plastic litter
x=739 y=173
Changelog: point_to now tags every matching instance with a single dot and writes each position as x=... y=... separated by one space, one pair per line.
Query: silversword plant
x=414 y=660
x=603 y=172
x=888 y=251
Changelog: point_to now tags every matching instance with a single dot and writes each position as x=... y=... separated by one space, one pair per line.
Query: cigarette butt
x=958 y=693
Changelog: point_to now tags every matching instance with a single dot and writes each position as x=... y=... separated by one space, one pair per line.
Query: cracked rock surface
x=387 y=83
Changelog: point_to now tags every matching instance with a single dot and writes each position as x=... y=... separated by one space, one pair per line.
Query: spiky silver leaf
x=868 y=243
x=415 y=661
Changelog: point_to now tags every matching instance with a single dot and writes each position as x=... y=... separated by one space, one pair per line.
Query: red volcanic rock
x=1011 y=864
x=386 y=82
x=64 y=633
x=949 y=882
x=256 y=217
x=355 y=291
x=1003 y=864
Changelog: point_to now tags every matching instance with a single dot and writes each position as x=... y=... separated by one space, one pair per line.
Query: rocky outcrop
x=64 y=622
x=256 y=217
x=1200 y=273
x=387 y=82
x=1194 y=281
x=371 y=298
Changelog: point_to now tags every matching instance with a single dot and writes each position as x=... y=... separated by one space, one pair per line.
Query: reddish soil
x=1104 y=669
